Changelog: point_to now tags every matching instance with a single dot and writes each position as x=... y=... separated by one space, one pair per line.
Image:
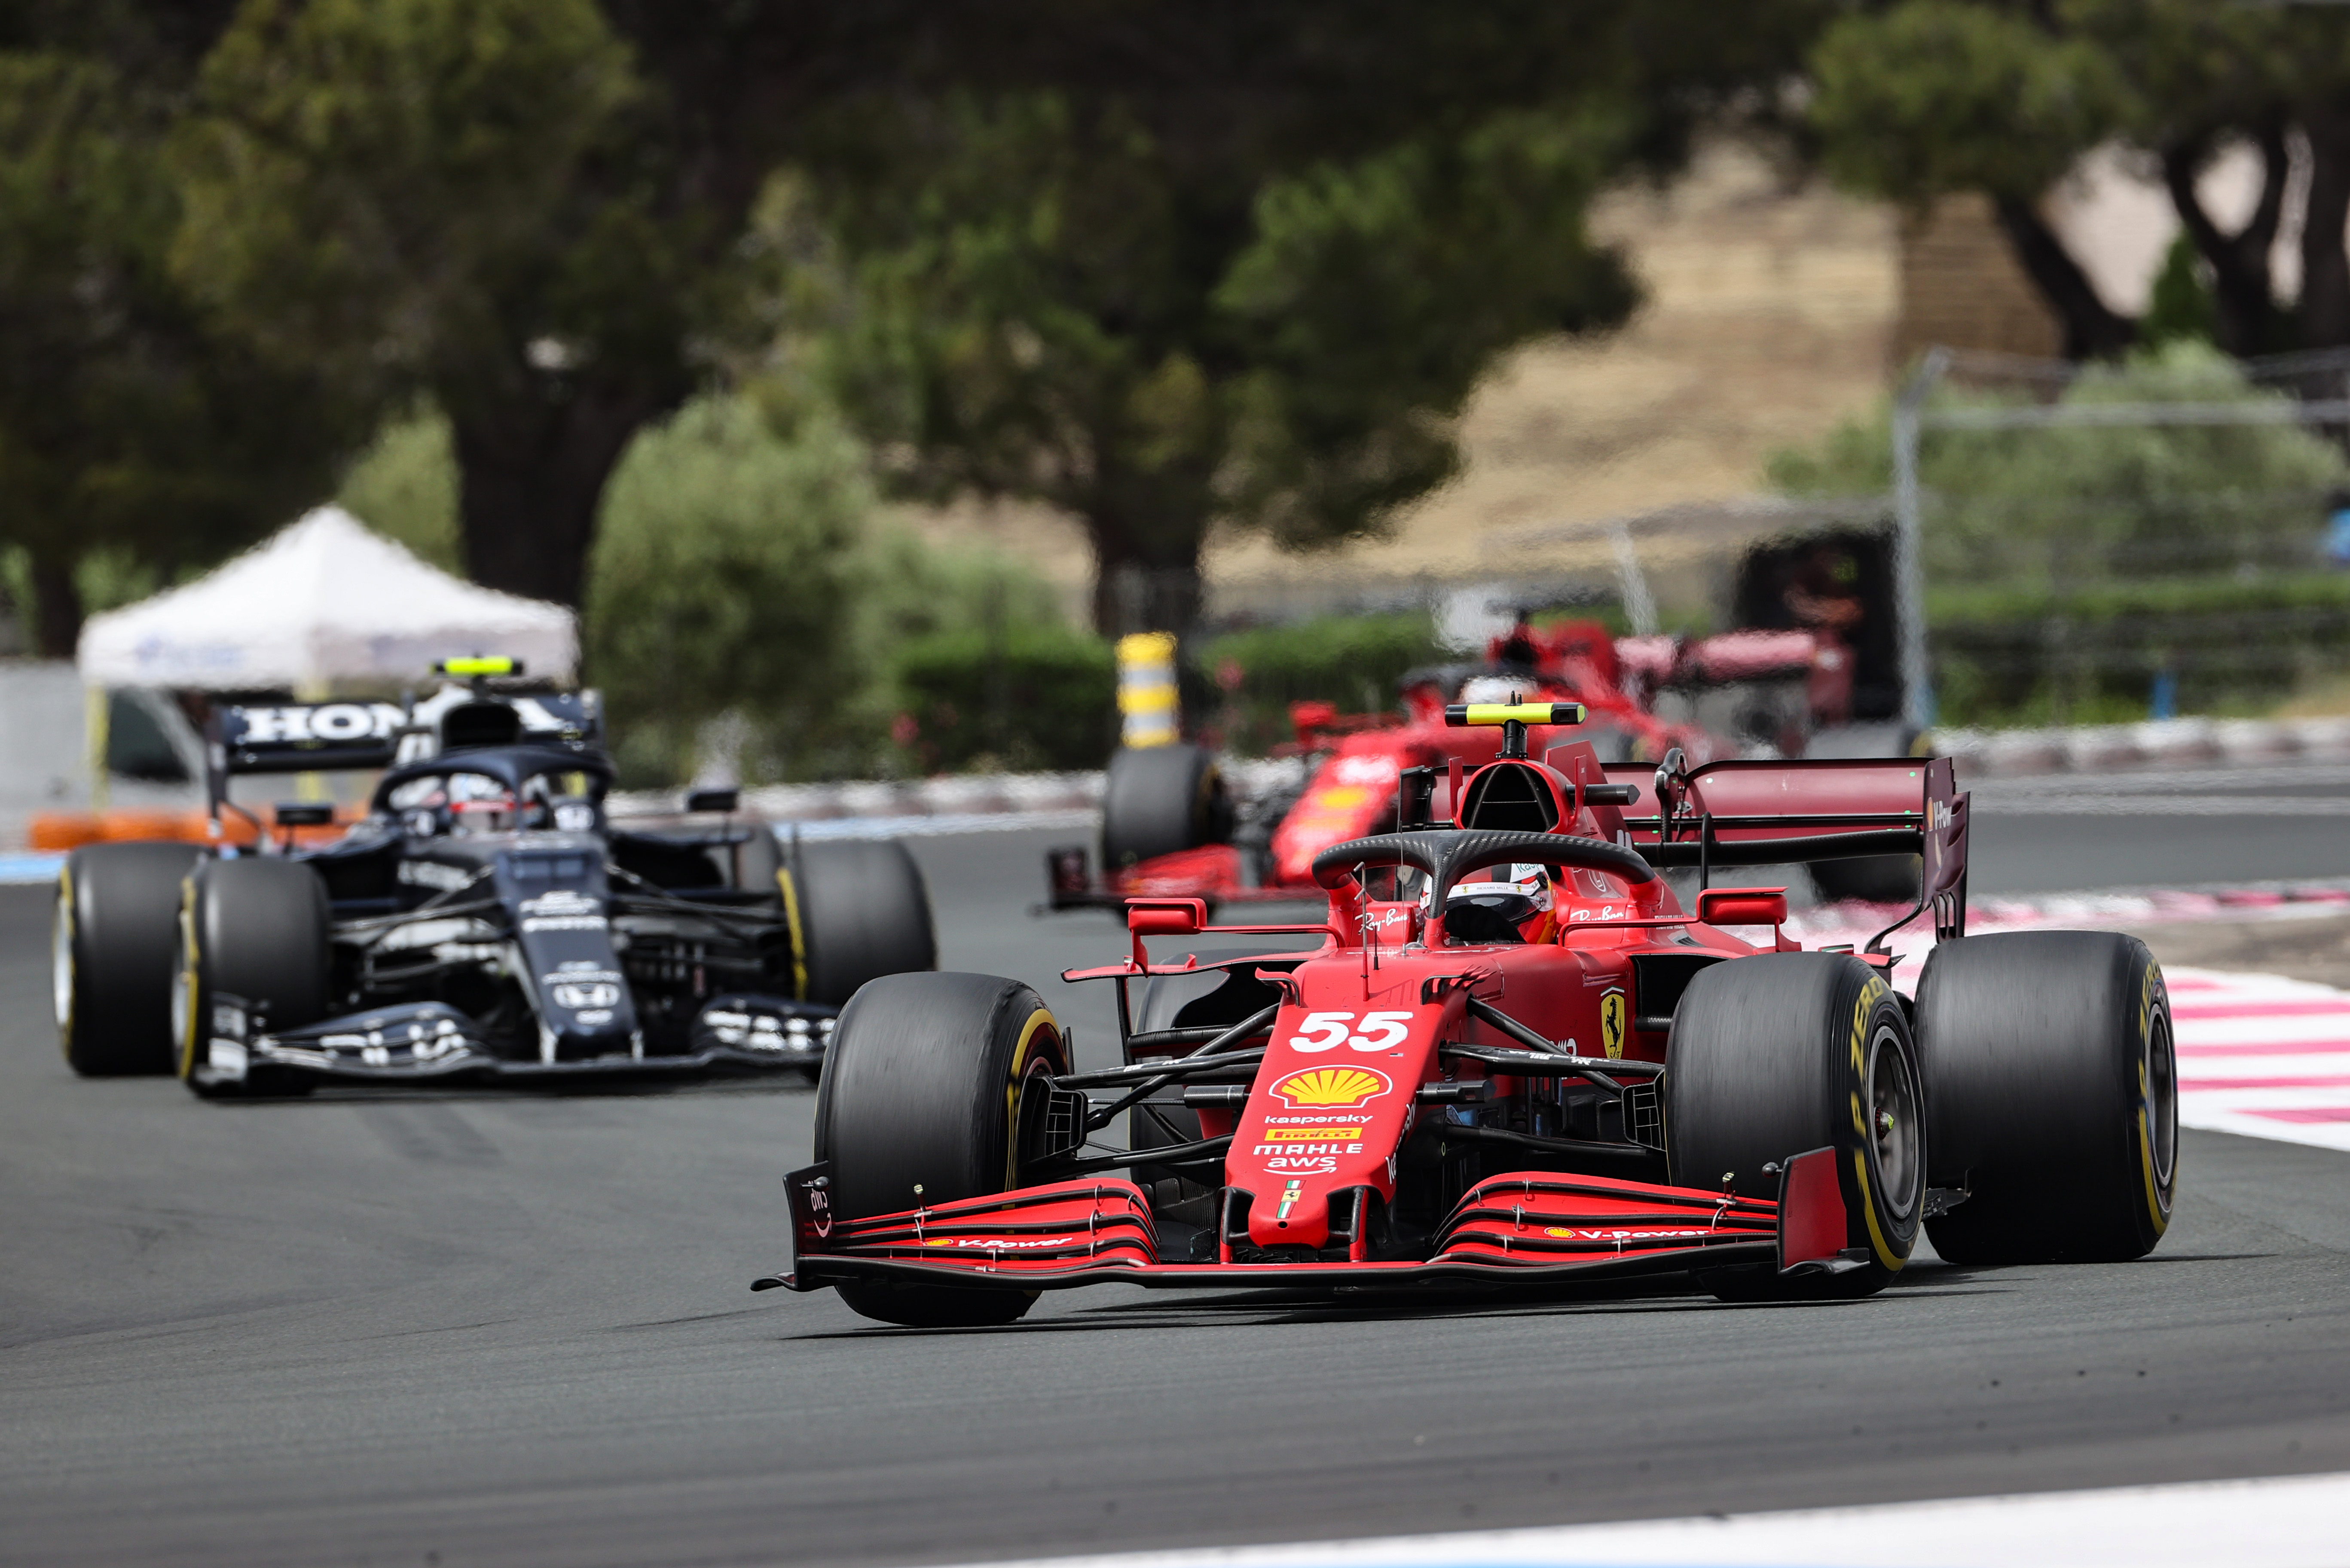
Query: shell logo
x=1331 y=1088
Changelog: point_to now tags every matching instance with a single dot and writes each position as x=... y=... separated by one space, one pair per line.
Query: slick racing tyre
x=930 y=1093
x=2052 y=1086
x=254 y=929
x=111 y=955
x=1161 y=799
x=858 y=910
x=1775 y=1056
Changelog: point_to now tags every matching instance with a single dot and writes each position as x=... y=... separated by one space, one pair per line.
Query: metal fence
x=2094 y=543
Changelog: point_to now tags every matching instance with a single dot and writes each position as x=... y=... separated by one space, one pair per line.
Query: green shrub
x=2067 y=566
x=1243 y=682
x=723 y=583
x=404 y=486
x=2068 y=505
x=1019 y=697
x=2028 y=656
x=742 y=601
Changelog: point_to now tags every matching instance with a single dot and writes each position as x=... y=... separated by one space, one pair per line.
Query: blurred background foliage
x=753 y=611
x=2068 y=566
x=1245 y=681
x=650 y=309
x=661 y=310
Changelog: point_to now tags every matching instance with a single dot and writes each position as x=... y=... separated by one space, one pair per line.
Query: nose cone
x=585 y=1011
x=1288 y=1215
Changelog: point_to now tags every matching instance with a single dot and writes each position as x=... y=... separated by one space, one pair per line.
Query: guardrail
x=2156 y=743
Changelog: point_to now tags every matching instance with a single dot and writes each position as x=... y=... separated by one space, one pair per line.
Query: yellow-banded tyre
x=1777 y=1056
x=110 y=956
x=931 y=1092
x=2051 y=1089
x=253 y=932
x=857 y=910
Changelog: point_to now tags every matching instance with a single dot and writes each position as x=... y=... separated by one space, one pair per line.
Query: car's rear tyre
x=1161 y=799
x=858 y=910
x=930 y=1094
x=111 y=943
x=256 y=929
x=2052 y=1084
x=1777 y=1056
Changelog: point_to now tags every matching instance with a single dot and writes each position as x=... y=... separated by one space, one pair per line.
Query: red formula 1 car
x=1515 y=1059
x=1170 y=828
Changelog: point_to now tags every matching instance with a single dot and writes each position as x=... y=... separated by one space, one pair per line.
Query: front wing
x=1527 y=1228
x=431 y=1041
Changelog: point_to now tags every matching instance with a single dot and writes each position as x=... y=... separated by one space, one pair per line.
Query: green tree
x=1064 y=309
x=129 y=424
x=1238 y=266
x=530 y=211
x=1927 y=97
x=1932 y=97
x=454 y=198
x=2067 y=506
x=2180 y=303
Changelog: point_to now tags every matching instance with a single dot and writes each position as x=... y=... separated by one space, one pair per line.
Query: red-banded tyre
x=2052 y=1086
x=1161 y=799
x=110 y=956
x=254 y=934
x=1777 y=1056
x=931 y=1092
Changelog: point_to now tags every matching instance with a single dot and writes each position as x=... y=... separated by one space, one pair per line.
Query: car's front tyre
x=1778 y=1055
x=931 y=1092
x=255 y=930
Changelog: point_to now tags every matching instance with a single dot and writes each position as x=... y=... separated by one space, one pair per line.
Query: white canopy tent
x=323 y=603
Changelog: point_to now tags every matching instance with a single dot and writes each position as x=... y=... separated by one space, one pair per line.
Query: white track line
x=2294 y=1522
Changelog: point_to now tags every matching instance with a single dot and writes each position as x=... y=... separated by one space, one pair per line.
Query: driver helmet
x=479 y=803
x=1511 y=904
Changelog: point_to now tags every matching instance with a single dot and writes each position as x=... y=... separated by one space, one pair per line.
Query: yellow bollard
x=1146 y=689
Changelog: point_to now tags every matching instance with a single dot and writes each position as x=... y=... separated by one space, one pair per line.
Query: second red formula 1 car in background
x=1515 y=1058
x=1171 y=827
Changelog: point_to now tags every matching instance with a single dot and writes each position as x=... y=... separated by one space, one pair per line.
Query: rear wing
x=323 y=737
x=1731 y=813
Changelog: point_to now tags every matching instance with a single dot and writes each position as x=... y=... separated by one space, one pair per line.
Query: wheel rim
x=2161 y=1097
x=1895 y=1146
x=61 y=976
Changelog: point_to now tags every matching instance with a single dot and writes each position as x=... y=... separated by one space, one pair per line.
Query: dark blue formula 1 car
x=483 y=920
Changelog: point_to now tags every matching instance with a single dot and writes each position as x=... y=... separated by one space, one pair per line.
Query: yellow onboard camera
x=478 y=665
x=1463 y=713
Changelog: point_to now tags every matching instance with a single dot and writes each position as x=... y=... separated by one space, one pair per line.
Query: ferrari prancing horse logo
x=1611 y=1023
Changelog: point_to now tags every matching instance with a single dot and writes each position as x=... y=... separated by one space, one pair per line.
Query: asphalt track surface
x=463 y=1327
